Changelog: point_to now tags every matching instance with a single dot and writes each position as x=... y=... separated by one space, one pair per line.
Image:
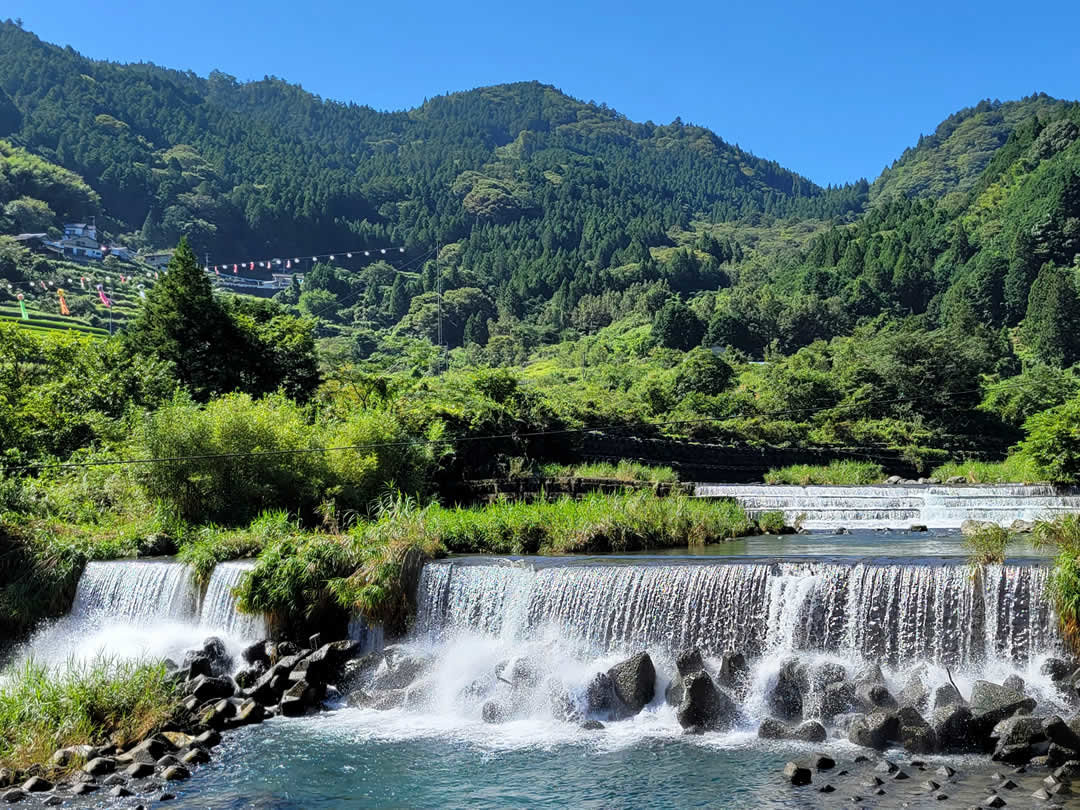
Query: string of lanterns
x=295 y=262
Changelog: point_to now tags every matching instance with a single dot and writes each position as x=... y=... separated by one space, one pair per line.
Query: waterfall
x=138 y=608
x=219 y=612
x=140 y=591
x=899 y=506
x=897 y=614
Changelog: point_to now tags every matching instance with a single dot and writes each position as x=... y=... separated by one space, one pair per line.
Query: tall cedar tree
x=1052 y=326
x=182 y=323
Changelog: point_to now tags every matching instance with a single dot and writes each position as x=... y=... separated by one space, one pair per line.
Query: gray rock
x=838 y=698
x=257 y=653
x=13 y=795
x=916 y=735
x=208 y=739
x=1014 y=682
x=249 y=676
x=494 y=712
x=1019 y=730
x=1057 y=669
x=175 y=773
x=797 y=774
x=810 y=731
x=401 y=668
x=875 y=730
x=734 y=673
x=990 y=704
x=592 y=725
x=99 y=766
x=689 y=661
x=206 y=687
x=84 y=788
x=139 y=770
x=634 y=682
x=218 y=715
x=785 y=698
x=327 y=663
x=115 y=779
x=773 y=729
x=300 y=698
x=35 y=784
x=120 y=791
x=704 y=707
x=870 y=696
x=954 y=729
x=948 y=695
x=65 y=757
x=915 y=694
x=195 y=756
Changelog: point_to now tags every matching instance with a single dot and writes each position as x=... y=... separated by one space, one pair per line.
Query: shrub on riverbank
x=93 y=703
x=835 y=473
x=1016 y=469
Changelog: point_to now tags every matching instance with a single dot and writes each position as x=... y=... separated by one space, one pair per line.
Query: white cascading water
x=218 y=613
x=898 y=506
x=572 y=620
x=135 y=609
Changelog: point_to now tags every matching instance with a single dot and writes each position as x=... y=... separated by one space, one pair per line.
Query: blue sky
x=834 y=90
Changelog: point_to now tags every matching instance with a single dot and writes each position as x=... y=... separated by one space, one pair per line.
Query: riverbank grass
x=628 y=471
x=835 y=473
x=372 y=568
x=1016 y=469
x=98 y=702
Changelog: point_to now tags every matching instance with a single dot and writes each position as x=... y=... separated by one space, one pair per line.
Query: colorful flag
x=104 y=298
x=22 y=307
x=63 y=304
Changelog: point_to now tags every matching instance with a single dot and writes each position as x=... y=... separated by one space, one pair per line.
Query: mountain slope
x=953 y=157
x=265 y=167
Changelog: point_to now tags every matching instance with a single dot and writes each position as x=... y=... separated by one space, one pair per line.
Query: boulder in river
x=785 y=698
x=955 y=730
x=916 y=735
x=797 y=774
x=207 y=687
x=875 y=730
x=991 y=703
x=837 y=698
x=948 y=695
x=99 y=766
x=734 y=673
x=704 y=707
x=634 y=682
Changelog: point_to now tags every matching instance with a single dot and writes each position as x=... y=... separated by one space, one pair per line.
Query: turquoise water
x=327 y=762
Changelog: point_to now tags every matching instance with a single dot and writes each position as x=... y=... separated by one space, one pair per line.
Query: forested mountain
x=266 y=168
x=953 y=157
x=555 y=218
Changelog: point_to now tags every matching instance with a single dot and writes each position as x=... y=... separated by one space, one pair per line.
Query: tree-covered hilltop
x=955 y=154
x=266 y=168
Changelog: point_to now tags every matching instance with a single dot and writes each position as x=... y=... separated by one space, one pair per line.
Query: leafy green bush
x=1053 y=442
x=987 y=544
x=99 y=702
x=836 y=473
x=224 y=461
x=771 y=522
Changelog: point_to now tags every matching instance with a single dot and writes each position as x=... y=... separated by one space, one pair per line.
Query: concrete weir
x=898 y=506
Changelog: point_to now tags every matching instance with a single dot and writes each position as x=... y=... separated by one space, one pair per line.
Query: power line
x=462 y=439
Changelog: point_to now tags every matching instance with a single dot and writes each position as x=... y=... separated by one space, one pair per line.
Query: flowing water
x=572 y=618
x=899 y=506
x=564 y=620
x=138 y=609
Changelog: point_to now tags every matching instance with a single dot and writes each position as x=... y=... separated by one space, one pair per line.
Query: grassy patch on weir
x=836 y=473
x=93 y=703
x=372 y=567
x=1016 y=469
